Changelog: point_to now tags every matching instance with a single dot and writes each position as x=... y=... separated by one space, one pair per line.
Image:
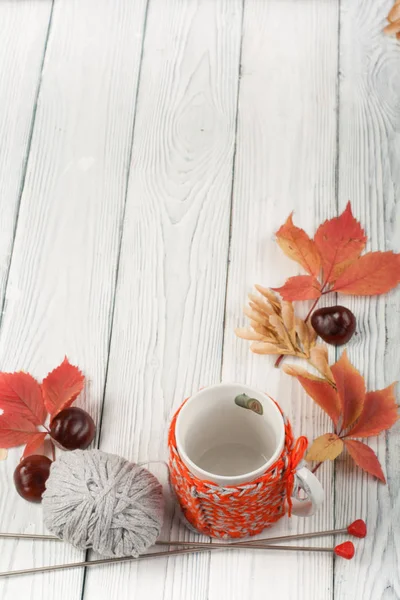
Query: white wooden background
x=149 y=150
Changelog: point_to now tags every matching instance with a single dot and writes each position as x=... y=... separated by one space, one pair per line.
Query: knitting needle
x=356 y=528
x=250 y=544
x=346 y=550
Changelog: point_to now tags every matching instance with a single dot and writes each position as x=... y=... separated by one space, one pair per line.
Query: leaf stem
x=312 y=308
x=279 y=360
x=53 y=451
x=323 y=292
x=317 y=466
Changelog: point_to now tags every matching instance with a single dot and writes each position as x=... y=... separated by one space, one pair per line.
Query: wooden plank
x=63 y=272
x=286 y=158
x=23 y=31
x=370 y=176
x=168 y=327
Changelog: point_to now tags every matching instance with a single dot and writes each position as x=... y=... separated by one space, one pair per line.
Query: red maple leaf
x=15 y=430
x=337 y=246
x=21 y=395
x=354 y=412
x=61 y=387
x=23 y=402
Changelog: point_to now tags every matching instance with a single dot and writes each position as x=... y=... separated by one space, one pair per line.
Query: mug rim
x=231 y=479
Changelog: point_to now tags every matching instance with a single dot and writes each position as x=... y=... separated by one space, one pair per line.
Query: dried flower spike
x=274 y=328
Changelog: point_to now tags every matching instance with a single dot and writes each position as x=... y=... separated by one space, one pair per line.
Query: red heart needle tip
x=345 y=550
x=358 y=528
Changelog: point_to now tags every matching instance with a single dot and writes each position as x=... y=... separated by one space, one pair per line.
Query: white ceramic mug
x=225 y=443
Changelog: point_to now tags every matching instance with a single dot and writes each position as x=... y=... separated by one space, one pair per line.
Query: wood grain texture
x=23 y=34
x=286 y=159
x=168 y=326
x=68 y=157
x=63 y=271
x=370 y=175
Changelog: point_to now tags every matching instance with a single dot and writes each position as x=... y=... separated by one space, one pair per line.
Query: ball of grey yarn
x=102 y=501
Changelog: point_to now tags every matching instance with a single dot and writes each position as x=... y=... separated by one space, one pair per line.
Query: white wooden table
x=149 y=150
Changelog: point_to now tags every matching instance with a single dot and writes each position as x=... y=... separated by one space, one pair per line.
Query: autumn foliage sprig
x=27 y=404
x=355 y=413
x=333 y=261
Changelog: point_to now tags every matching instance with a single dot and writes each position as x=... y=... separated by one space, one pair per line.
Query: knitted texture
x=237 y=511
x=102 y=501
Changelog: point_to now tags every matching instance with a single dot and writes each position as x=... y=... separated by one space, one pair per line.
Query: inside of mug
x=224 y=439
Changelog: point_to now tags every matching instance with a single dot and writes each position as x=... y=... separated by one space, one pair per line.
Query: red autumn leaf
x=380 y=412
x=15 y=430
x=21 y=395
x=320 y=391
x=61 y=387
x=297 y=245
x=351 y=389
x=372 y=274
x=365 y=458
x=300 y=287
x=34 y=444
x=339 y=241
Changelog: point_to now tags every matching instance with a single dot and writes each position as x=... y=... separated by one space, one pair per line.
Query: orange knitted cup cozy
x=237 y=511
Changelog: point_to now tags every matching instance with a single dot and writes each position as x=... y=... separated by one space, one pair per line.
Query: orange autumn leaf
x=298 y=246
x=319 y=390
x=300 y=287
x=365 y=458
x=325 y=447
x=336 y=247
x=372 y=274
x=380 y=412
x=351 y=389
x=339 y=241
x=61 y=387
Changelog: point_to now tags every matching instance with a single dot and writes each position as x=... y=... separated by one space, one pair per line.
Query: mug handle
x=314 y=491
